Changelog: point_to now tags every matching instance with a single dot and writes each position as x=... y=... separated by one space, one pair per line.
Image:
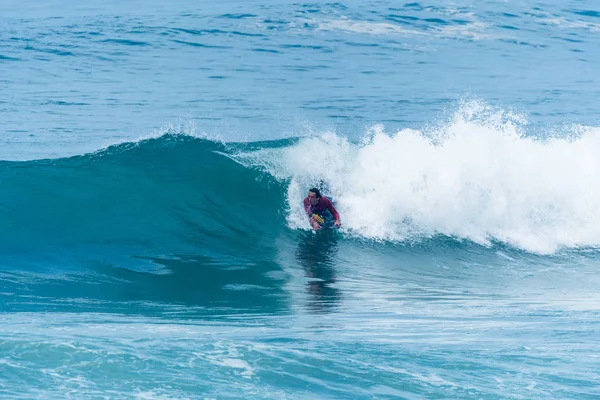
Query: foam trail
x=477 y=177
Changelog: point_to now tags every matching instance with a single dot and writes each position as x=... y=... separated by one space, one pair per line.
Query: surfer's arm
x=333 y=212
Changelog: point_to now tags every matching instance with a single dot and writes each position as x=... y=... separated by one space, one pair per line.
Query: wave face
x=168 y=194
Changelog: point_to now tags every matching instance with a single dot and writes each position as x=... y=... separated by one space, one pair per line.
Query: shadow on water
x=316 y=254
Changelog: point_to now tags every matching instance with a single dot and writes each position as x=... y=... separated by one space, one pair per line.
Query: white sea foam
x=476 y=177
x=473 y=30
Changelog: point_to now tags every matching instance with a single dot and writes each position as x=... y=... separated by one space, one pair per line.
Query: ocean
x=154 y=157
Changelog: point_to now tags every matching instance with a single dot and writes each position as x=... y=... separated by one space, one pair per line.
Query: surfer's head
x=314 y=195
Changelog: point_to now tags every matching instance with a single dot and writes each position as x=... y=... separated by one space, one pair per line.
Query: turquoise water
x=154 y=161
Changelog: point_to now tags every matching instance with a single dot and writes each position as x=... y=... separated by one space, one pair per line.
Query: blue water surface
x=155 y=156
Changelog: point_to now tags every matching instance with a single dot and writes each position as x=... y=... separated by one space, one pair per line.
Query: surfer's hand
x=316 y=226
x=338 y=223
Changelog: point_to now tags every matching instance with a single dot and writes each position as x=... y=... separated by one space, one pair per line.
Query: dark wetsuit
x=320 y=208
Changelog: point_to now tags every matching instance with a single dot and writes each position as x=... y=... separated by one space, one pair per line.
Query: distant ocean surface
x=153 y=161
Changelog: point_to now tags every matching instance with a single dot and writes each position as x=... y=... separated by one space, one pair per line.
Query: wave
x=478 y=177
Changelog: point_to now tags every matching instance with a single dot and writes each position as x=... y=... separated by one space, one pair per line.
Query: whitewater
x=153 y=163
